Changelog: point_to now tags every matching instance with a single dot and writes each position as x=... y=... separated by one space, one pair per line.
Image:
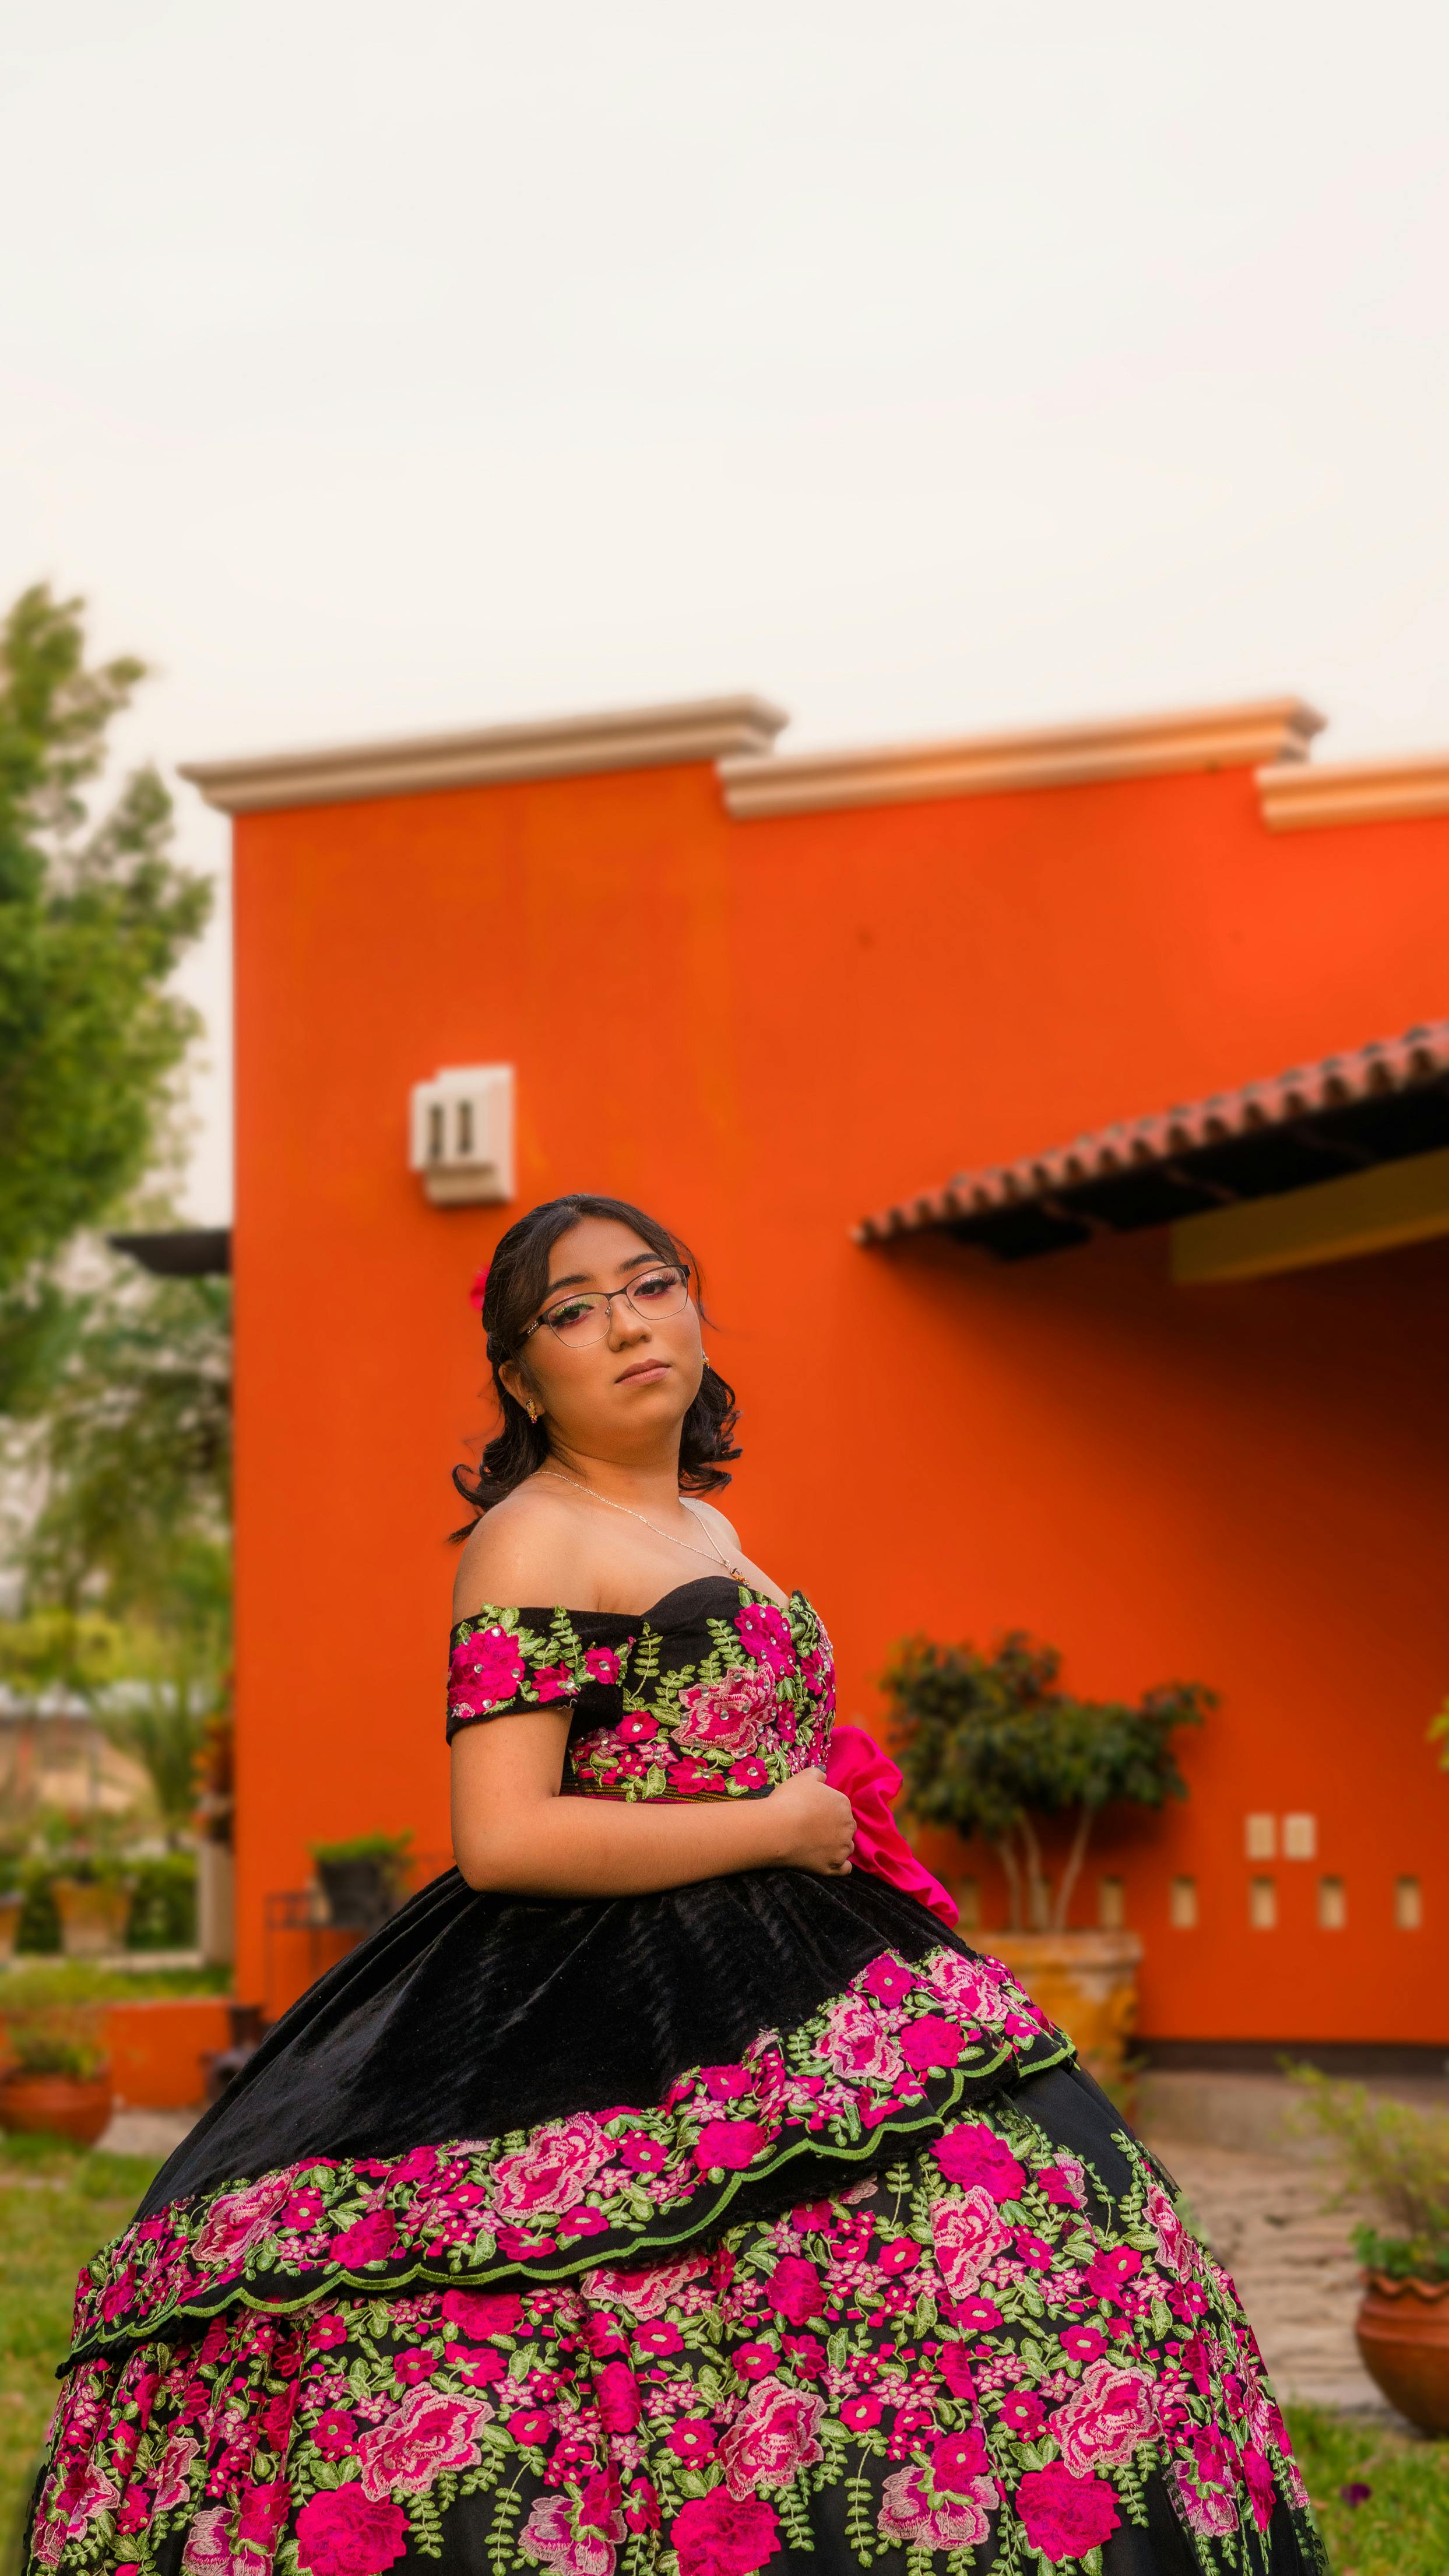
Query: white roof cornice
x=1266 y=729
x=1355 y=791
x=560 y=747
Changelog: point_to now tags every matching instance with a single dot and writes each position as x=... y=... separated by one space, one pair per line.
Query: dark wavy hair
x=516 y=1286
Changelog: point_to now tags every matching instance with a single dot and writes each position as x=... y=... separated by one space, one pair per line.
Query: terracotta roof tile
x=1310 y=1123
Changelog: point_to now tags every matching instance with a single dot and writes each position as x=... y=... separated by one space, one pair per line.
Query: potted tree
x=12 y=1898
x=991 y=1746
x=54 y=2076
x=92 y=1890
x=364 y=1880
x=1397 y=2158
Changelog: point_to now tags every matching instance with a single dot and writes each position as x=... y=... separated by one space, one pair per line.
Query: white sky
x=387 y=367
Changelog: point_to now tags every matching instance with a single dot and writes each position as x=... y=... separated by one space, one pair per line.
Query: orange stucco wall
x=763 y=1030
x=158 y=2048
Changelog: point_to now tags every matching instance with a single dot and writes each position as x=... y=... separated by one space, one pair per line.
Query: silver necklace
x=607 y=1499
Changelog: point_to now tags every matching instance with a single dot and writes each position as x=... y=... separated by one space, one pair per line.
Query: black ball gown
x=713 y=2230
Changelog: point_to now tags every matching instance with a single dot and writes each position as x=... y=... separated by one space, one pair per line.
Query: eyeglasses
x=587 y=1318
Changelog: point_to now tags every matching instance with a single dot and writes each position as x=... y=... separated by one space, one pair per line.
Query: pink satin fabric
x=857 y=1767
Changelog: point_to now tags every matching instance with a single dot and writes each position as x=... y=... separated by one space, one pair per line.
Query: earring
x=533 y=1412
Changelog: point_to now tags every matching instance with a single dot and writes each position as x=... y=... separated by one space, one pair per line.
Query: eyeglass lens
x=586 y=1318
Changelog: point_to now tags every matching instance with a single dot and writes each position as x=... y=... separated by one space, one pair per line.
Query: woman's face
x=617 y=1395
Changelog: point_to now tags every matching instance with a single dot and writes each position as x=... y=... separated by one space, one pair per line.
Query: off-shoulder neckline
x=622 y=1618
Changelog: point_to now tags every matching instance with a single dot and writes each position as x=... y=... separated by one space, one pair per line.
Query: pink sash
x=857 y=1767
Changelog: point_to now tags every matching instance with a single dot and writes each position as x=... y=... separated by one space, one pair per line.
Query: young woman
x=667 y=2183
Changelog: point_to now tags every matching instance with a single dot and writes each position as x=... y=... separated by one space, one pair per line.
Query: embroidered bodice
x=713 y=1692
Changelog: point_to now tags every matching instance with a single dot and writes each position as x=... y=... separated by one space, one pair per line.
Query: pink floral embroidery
x=1207 y=2510
x=956 y=2521
x=1065 y=2516
x=889 y=1980
x=342 y=2532
x=969 y=2234
x=514 y=2200
x=425 y=2434
x=651 y=2289
x=1174 y=2246
x=558 y=2164
x=716 y=2361
x=731 y=2144
x=727 y=1716
x=174 y=2480
x=1262 y=2492
x=484 y=1672
x=691 y=1779
x=930 y=2042
x=972 y=2154
x=208 y=2548
x=772 y=2438
x=857 y=2042
x=723 y=2535
x=238 y=2221
x=601 y=1664
x=1108 y=2418
x=575 y=2539
x=796 y=2291
x=971 y=1987
x=369 y=2241
x=482 y=2312
x=1064 y=2184
x=764 y=1632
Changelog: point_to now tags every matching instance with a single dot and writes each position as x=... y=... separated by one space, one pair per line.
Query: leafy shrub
x=990 y=1745
x=1391 y=2153
x=39 y=1921
x=389 y=1854
x=163 y=1903
x=53 y=2038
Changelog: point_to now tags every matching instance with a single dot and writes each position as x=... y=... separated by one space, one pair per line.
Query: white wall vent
x=461 y=1134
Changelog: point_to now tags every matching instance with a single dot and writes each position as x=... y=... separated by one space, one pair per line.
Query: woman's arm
x=513 y=1831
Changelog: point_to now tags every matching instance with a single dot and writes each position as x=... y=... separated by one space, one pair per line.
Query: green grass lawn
x=57 y=2204
x=1401 y=2528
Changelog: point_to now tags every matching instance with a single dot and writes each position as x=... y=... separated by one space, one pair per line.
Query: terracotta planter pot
x=63 y=2106
x=11 y=1909
x=93 y=1918
x=1403 y=2335
x=1086 y=1981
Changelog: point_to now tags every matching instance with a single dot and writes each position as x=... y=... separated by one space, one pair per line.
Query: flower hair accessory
x=479 y=1289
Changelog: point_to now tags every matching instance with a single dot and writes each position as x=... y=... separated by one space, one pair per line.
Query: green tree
x=127 y=1561
x=135 y=1452
x=991 y=1746
x=94 y=914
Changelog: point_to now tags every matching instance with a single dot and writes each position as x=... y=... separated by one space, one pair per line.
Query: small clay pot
x=62 y=2106
x=1403 y=2335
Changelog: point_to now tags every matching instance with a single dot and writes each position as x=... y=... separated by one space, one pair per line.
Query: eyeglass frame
x=609 y=1295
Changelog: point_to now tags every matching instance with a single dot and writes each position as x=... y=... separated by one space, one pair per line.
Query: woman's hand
x=815 y=1823
x=513 y=1832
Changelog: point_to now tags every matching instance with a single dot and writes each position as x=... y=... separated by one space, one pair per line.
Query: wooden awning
x=1387 y=1103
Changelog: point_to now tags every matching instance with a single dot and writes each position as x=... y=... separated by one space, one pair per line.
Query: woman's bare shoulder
x=716 y=1520
x=725 y=1535
x=522 y=1555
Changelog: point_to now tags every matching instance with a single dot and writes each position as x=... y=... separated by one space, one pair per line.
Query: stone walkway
x=146 y=2133
x=1293 y=2265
